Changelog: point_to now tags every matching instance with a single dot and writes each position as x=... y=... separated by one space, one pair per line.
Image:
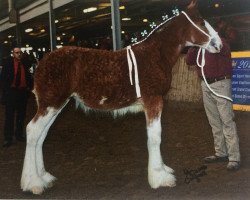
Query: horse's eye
x=202 y=23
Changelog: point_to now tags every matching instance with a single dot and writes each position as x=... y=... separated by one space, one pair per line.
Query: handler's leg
x=225 y=108
x=213 y=115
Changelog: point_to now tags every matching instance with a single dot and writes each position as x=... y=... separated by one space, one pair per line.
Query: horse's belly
x=118 y=108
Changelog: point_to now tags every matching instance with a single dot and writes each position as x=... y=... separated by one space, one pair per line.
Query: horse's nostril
x=218 y=47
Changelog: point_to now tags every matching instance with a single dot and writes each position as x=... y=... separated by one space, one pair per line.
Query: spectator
x=17 y=83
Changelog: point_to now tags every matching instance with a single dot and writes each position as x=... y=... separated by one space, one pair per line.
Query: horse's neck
x=167 y=44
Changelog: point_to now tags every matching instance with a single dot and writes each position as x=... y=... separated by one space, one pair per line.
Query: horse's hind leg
x=33 y=169
x=158 y=173
x=46 y=176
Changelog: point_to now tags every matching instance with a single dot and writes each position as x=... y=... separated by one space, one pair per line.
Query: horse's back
x=92 y=74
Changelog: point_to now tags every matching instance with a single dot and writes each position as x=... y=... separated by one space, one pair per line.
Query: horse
x=101 y=80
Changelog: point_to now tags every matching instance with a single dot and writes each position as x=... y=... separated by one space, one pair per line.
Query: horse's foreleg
x=46 y=176
x=158 y=173
x=31 y=181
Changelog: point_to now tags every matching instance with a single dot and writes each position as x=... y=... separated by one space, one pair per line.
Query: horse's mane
x=155 y=29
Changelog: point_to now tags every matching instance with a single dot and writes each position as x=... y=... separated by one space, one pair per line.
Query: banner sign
x=241 y=80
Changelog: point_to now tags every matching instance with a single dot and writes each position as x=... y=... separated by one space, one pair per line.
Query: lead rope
x=201 y=65
x=132 y=62
x=202 y=53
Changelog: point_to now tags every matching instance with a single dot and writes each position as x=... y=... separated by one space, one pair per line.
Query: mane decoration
x=155 y=27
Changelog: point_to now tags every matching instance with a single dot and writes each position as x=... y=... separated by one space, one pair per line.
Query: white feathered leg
x=31 y=181
x=46 y=176
x=158 y=173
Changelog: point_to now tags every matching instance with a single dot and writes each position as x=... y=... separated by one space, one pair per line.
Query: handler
x=219 y=111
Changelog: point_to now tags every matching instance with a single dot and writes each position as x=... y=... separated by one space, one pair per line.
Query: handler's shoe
x=233 y=165
x=215 y=159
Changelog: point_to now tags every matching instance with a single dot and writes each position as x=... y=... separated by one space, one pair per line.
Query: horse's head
x=200 y=32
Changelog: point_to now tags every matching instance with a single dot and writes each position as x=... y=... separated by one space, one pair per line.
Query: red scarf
x=23 y=79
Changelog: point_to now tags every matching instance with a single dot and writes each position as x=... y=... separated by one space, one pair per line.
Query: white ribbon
x=132 y=62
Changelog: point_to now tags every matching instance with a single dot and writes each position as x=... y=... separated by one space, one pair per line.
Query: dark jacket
x=7 y=76
x=216 y=64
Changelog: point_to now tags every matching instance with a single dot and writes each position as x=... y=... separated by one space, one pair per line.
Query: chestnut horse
x=100 y=80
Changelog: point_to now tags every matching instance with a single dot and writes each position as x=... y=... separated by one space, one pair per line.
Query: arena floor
x=97 y=157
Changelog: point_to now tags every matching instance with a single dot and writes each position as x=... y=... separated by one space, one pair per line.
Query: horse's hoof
x=161 y=177
x=37 y=190
x=48 y=179
x=170 y=181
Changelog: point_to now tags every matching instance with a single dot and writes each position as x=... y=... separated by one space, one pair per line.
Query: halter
x=132 y=62
x=191 y=21
x=202 y=53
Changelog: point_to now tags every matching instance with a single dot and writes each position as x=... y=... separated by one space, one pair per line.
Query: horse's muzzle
x=216 y=44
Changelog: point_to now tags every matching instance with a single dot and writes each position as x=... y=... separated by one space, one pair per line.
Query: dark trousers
x=15 y=112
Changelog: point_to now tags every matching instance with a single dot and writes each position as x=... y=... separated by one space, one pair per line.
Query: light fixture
x=58 y=38
x=5 y=42
x=63 y=34
x=123 y=32
x=10 y=36
x=104 y=5
x=42 y=30
x=67 y=18
x=126 y=19
x=122 y=7
x=145 y=20
x=56 y=21
x=216 y=5
x=28 y=30
x=91 y=9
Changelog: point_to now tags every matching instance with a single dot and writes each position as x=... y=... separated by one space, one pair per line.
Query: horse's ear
x=192 y=4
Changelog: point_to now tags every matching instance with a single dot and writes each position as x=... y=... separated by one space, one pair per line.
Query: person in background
x=219 y=111
x=17 y=83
